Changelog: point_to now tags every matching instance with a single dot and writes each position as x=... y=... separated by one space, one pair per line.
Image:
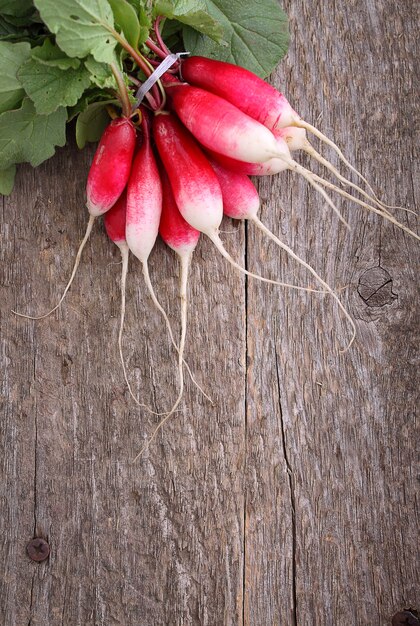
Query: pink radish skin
x=259 y=100
x=106 y=181
x=111 y=166
x=194 y=184
x=114 y=221
x=222 y=127
x=240 y=87
x=241 y=201
x=174 y=230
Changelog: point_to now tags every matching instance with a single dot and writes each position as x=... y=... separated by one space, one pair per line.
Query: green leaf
x=127 y=20
x=17 y=8
x=50 y=88
x=82 y=27
x=100 y=74
x=192 y=13
x=7 y=31
x=12 y=55
x=145 y=21
x=49 y=54
x=256 y=33
x=91 y=123
x=26 y=136
x=7 y=180
x=11 y=32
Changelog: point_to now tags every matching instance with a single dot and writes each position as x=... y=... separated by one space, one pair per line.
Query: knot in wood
x=375 y=287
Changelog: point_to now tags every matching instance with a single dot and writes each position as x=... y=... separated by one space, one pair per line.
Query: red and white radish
x=223 y=128
x=107 y=178
x=194 y=184
x=144 y=207
x=114 y=222
x=255 y=97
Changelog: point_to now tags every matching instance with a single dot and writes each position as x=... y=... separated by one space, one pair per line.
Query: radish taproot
x=114 y=221
x=241 y=201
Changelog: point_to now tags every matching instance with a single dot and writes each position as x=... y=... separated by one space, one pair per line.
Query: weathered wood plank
x=294 y=500
x=332 y=528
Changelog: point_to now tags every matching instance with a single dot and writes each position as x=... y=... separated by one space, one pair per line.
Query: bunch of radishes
x=176 y=167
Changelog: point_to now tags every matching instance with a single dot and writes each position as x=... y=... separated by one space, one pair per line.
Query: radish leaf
x=50 y=88
x=101 y=74
x=127 y=20
x=28 y=137
x=49 y=54
x=12 y=55
x=16 y=8
x=191 y=13
x=82 y=27
x=256 y=33
x=91 y=123
x=7 y=180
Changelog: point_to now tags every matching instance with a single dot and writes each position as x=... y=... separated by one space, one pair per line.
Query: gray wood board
x=294 y=499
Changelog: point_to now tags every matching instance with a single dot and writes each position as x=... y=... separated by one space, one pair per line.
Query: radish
x=194 y=184
x=108 y=175
x=183 y=239
x=223 y=128
x=256 y=98
x=114 y=221
x=241 y=201
x=144 y=208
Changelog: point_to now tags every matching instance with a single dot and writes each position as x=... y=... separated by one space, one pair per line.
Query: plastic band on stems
x=153 y=78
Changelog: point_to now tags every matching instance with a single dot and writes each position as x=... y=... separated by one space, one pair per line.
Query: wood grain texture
x=293 y=501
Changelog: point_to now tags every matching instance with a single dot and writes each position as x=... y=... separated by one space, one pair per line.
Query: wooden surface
x=294 y=500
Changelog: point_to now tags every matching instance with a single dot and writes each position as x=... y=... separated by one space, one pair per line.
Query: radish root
x=73 y=274
x=219 y=245
x=124 y=249
x=168 y=326
x=312 y=129
x=384 y=214
x=185 y=262
x=295 y=167
x=309 y=149
x=290 y=252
